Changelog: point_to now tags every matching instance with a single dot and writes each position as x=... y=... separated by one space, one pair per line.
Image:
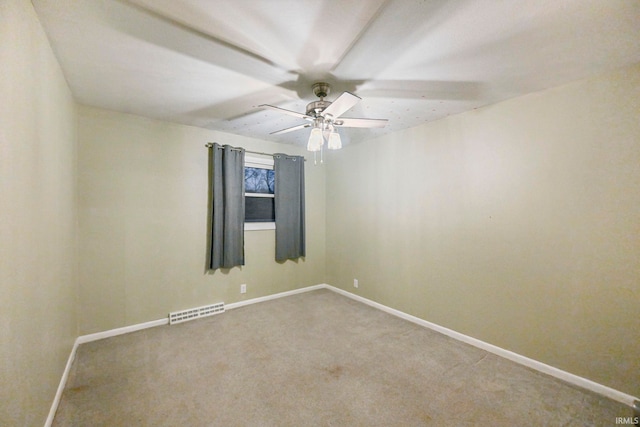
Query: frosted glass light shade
x=315 y=140
x=335 y=143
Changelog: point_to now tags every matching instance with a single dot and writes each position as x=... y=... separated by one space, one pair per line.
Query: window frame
x=260 y=163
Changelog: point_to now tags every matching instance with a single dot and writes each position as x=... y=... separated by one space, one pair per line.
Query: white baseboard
x=515 y=357
x=63 y=383
x=576 y=380
x=139 y=326
x=273 y=296
x=120 y=331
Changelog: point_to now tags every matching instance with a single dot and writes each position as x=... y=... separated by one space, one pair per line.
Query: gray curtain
x=289 y=206
x=226 y=181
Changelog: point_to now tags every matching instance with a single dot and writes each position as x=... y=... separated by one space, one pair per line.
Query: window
x=259 y=182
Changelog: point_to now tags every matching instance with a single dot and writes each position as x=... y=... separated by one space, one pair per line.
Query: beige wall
x=517 y=224
x=38 y=261
x=143 y=212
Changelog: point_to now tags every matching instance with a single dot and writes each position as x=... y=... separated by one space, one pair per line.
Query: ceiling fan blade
x=424 y=89
x=343 y=103
x=289 y=112
x=384 y=38
x=287 y=130
x=162 y=29
x=361 y=123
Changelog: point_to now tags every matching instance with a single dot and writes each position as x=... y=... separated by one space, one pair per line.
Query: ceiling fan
x=325 y=117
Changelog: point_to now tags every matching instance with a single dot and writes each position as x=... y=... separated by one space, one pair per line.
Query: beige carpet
x=310 y=359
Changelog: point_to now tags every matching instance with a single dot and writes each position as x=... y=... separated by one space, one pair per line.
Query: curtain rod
x=210 y=144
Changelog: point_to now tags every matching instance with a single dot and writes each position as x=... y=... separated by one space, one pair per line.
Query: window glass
x=259 y=209
x=258 y=180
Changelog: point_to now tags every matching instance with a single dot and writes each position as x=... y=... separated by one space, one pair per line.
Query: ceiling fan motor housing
x=316 y=107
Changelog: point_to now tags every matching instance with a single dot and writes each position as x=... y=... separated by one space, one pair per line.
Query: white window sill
x=260 y=195
x=256 y=226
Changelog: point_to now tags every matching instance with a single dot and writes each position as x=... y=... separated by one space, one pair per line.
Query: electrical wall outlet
x=243 y=288
x=355 y=283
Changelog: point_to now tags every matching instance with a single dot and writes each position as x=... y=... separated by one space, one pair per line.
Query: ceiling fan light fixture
x=315 y=139
x=334 y=143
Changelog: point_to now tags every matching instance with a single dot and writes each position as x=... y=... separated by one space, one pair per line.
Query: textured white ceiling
x=210 y=63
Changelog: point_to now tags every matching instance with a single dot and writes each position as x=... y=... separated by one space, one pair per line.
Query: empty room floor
x=315 y=358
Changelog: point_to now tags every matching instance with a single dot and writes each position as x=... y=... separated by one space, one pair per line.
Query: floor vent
x=194 y=313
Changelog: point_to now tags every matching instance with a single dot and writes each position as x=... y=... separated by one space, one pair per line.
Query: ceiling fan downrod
x=321 y=90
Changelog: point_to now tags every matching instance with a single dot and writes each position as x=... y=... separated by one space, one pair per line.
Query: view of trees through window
x=258 y=180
